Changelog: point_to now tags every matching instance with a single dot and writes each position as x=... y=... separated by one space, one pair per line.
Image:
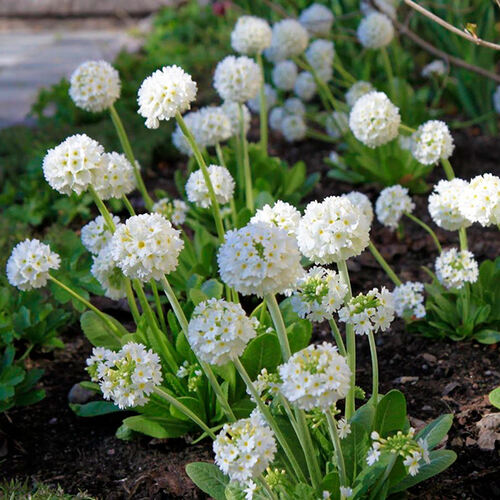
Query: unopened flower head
x=219 y=331
x=251 y=35
x=435 y=68
x=369 y=312
x=281 y=214
x=96 y=234
x=108 y=274
x=174 y=210
x=232 y=110
x=392 y=204
x=315 y=377
x=284 y=75
x=317 y=20
x=289 y=39
x=318 y=294
x=432 y=142
x=271 y=98
x=305 y=86
x=259 y=259
x=71 y=166
x=244 y=449
x=237 y=78
x=95 y=86
x=30 y=263
x=482 y=200
x=445 y=204
x=146 y=247
x=361 y=201
x=293 y=128
x=357 y=90
x=320 y=55
x=337 y=124
x=375 y=31
x=222 y=182
x=332 y=230
x=455 y=267
x=276 y=117
x=127 y=377
x=165 y=93
x=374 y=120
x=496 y=99
x=409 y=300
x=294 y=106
x=115 y=176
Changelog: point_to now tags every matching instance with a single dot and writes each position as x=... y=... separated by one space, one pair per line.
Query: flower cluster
x=174 y=210
x=96 y=235
x=193 y=373
x=30 y=263
x=357 y=90
x=482 y=200
x=362 y=202
x=320 y=55
x=266 y=384
x=284 y=75
x=271 y=98
x=146 y=247
x=432 y=142
x=212 y=126
x=374 y=120
x=126 y=377
x=259 y=259
x=115 y=176
x=245 y=448
x=369 y=312
x=435 y=68
x=219 y=331
x=289 y=39
x=305 y=86
x=251 y=35
x=455 y=267
x=315 y=377
x=392 y=203
x=332 y=230
x=409 y=300
x=108 y=274
x=237 y=78
x=375 y=31
x=317 y=20
x=232 y=110
x=281 y=214
x=293 y=128
x=445 y=204
x=95 y=86
x=165 y=93
x=222 y=182
x=318 y=294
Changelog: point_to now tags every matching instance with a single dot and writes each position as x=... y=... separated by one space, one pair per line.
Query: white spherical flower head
x=127 y=377
x=284 y=75
x=71 y=165
x=432 y=142
x=409 y=300
x=245 y=448
x=259 y=259
x=271 y=98
x=337 y=124
x=320 y=55
x=455 y=267
x=237 y=78
x=374 y=120
x=357 y=90
x=115 y=176
x=146 y=247
x=375 y=31
x=315 y=377
x=212 y=126
x=219 y=331
x=294 y=106
x=276 y=117
x=318 y=294
x=369 y=312
x=496 y=99
x=332 y=230
x=281 y=214
x=251 y=35
x=289 y=39
x=109 y=276
x=435 y=68
x=445 y=204
x=482 y=200
x=362 y=202
x=168 y=91
x=95 y=86
x=96 y=234
x=293 y=128
x=29 y=265
x=222 y=182
x=405 y=142
x=232 y=110
x=392 y=204
x=317 y=20
x=386 y=6
x=305 y=86
x=174 y=210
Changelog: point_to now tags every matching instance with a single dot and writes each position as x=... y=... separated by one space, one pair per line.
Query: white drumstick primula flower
x=289 y=39
x=357 y=90
x=276 y=117
x=115 y=176
x=455 y=267
x=237 y=78
x=481 y=202
x=212 y=126
x=174 y=210
x=293 y=128
x=271 y=99
x=392 y=204
x=445 y=204
x=222 y=182
x=320 y=55
x=294 y=106
x=409 y=300
x=96 y=234
x=432 y=142
x=375 y=31
x=281 y=214
x=251 y=35
x=361 y=201
x=317 y=20
x=305 y=86
x=232 y=110
x=337 y=124
x=191 y=120
x=108 y=274
x=435 y=68
x=284 y=75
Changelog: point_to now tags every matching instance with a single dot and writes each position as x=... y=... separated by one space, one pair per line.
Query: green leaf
x=209 y=478
x=195 y=405
x=487 y=336
x=243 y=408
x=261 y=352
x=97 y=331
x=364 y=416
x=197 y=296
x=94 y=408
x=436 y=430
x=494 y=397
x=299 y=335
x=354 y=448
x=390 y=415
x=212 y=289
x=160 y=428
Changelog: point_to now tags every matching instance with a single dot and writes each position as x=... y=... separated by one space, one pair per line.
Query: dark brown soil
x=47 y=442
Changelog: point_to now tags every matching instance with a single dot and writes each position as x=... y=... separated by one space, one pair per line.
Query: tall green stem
x=309 y=451
x=263 y=107
x=131 y=302
x=159 y=308
x=319 y=136
x=338 y=337
x=383 y=263
x=427 y=228
x=127 y=149
x=102 y=209
x=389 y=72
x=462 y=234
x=128 y=205
x=373 y=354
x=220 y=155
x=179 y=313
x=332 y=428
x=448 y=169
x=246 y=162
x=279 y=324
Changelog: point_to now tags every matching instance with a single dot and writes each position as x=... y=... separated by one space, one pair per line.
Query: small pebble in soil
x=53 y=421
x=79 y=395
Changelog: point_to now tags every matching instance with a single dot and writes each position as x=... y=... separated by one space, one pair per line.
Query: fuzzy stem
x=448 y=169
x=159 y=309
x=263 y=107
x=102 y=209
x=373 y=354
x=462 y=234
x=384 y=264
x=338 y=337
x=332 y=427
x=131 y=302
x=406 y=128
x=128 y=205
x=427 y=228
x=247 y=174
x=279 y=324
x=309 y=451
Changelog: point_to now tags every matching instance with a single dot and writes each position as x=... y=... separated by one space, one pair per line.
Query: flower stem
x=279 y=324
x=246 y=162
x=404 y=127
x=427 y=228
x=102 y=209
x=383 y=263
x=389 y=72
x=128 y=205
x=218 y=391
x=338 y=337
x=263 y=107
x=201 y=163
x=383 y=479
x=267 y=488
x=131 y=302
x=127 y=149
x=462 y=234
x=179 y=313
x=314 y=134
x=332 y=427
x=337 y=64
x=309 y=451
x=159 y=309
x=448 y=169
x=373 y=354
x=220 y=154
